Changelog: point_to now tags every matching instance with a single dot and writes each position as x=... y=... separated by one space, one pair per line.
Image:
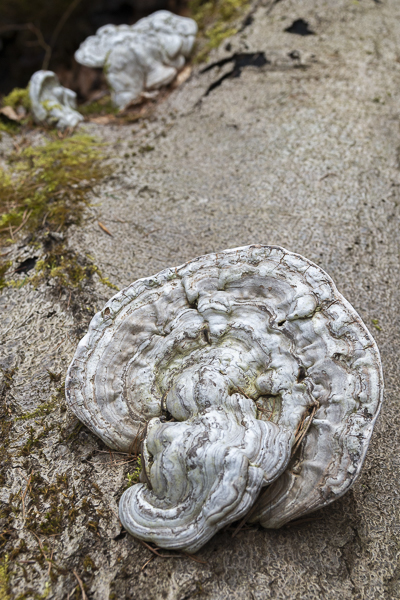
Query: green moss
x=66 y=268
x=215 y=35
x=134 y=476
x=9 y=127
x=53 y=520
x=104 y=106
x=214 y=19
x=88 y=564
x=4 y=579
x=48 y=106
x=42 y=410
x=34 y=441
x=375 y=323
x=3 y=270
x=22 y=547
x=48 y=190
x=46 y=592
x=5 y=420
x=146 y=148
x=18 y=97
x=50 y=185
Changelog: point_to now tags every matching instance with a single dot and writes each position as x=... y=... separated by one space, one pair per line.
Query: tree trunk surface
x=283 y=139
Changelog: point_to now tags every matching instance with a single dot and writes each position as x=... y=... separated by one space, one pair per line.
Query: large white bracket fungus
x=139 y=57
x=51 y=102
x=222 y=365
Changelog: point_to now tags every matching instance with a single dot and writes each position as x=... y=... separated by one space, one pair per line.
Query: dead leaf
x=103 y=120
x=104 y=228
x=10 y=113
x=183 y=76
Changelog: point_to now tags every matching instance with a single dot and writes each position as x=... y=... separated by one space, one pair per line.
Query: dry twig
x=79 y=580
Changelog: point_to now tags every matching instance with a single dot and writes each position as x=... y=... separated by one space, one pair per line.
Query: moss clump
x=134 y=477
x=67 y=268
x=103 y=106
x=5 y=419
x=88 y=564
x=48 y=192
x=4 y=579
x=34 y=441
x=3 y=270
x=50 y=185
x=10 y=127
x=146 y=148
x=375 y=323
x=18 y=97
x=41 y=411
x=214 y=19
x=50 y=521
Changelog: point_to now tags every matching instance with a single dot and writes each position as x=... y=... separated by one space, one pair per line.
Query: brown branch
x=30 y=27
x=79 y=580
x=56 y=32
x=152 y=557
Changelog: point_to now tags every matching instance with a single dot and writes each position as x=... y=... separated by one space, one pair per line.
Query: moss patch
x=215 y=21
x=103 y=106
x=46 y=193
x=4 y=579
x=18 y=97
x=49 y=186
x=134 y=476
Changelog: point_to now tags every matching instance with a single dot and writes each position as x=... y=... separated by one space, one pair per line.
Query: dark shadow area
x=240 y=61
x=300 y=27
x=26 y=265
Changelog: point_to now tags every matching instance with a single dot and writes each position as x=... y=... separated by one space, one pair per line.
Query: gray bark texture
x=284 y=139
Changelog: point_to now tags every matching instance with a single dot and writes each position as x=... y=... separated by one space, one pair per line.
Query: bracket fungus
x=139 y=57
x=253 y=384
x=51 y=102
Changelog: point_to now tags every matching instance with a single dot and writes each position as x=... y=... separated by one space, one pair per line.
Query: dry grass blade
x=104 y=228
x=300 y=435
x=79 y=580
x=177 y=555
x=23 y=496
x=137 y=439
x=195 y=558
x=147 y=562
x=155 y=551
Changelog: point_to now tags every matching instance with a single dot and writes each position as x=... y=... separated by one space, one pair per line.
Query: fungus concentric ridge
x=244 y=371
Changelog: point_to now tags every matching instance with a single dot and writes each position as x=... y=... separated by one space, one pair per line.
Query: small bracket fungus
x=139 y=57
x=251 y=381
x=51 y=102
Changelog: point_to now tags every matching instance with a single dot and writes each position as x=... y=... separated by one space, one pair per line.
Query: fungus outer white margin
x=51 y=102
x=218 y=364
x=139 y=57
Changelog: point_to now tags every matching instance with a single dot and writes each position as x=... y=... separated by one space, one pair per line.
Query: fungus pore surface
x=251 y=381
